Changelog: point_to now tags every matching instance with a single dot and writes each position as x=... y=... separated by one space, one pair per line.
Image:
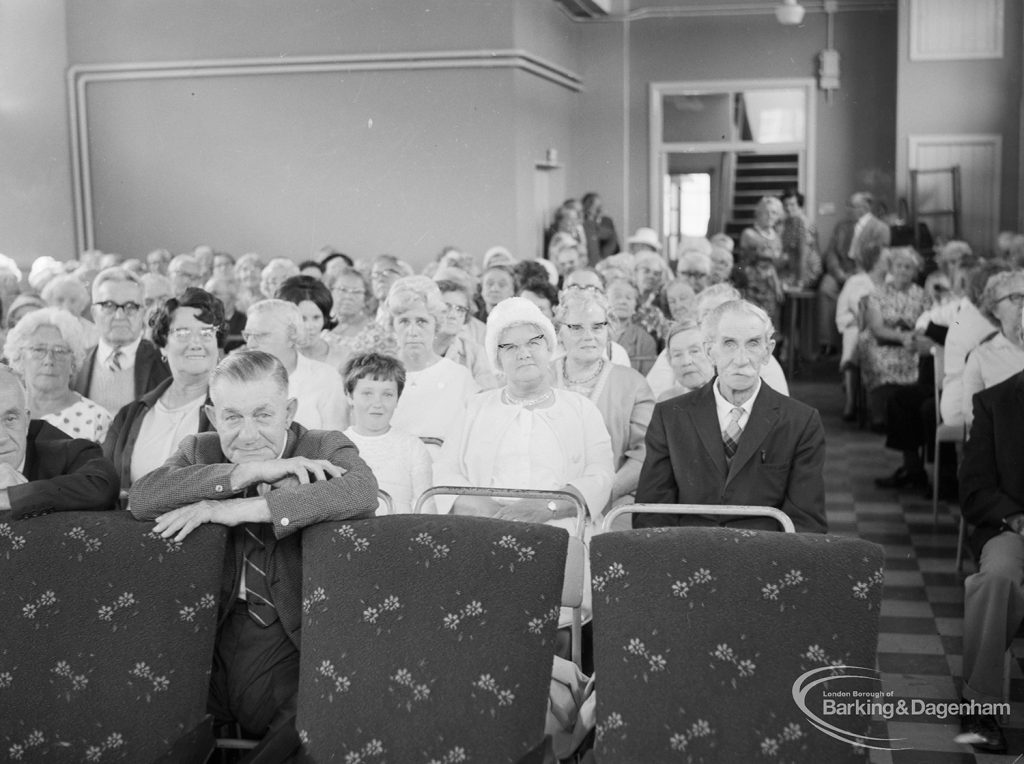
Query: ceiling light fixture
x=789 y=13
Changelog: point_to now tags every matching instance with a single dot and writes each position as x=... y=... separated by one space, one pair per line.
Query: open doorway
x=688 y=207
x=718 y=147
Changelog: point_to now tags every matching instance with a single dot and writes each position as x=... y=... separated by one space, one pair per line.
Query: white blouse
x=161 y=431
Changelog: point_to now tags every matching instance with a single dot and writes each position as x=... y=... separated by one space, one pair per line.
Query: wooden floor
x=921 y=639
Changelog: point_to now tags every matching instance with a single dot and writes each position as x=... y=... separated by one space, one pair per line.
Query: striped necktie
x=115 y=360
x=731 y=435
x=257 y=588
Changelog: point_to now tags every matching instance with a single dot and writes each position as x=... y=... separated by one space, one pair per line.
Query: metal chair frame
x=729 y=510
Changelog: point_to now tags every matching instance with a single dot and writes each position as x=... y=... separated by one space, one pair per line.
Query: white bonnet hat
x=514 y=311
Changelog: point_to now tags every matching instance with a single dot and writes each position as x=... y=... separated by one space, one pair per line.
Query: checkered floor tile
x=921 y=633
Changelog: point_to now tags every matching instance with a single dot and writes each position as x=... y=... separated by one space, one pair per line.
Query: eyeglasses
x=577 y=329
x=458 y=309
x=185 y=333
x=354 y=291
x=109 y=307
x=384 y=273
x=1016 y=297
x=694 y=274
x=39 y=352
x=586 y=288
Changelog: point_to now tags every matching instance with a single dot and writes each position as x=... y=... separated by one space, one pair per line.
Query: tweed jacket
x=199 y=470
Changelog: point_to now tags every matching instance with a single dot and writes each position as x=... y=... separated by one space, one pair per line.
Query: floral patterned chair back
x=701 y=633
x=428 y=638
x=107 y=642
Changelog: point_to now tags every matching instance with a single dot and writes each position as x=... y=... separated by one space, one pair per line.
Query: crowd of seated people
x=619 y=377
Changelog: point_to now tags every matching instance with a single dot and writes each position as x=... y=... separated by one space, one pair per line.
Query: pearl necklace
x=507 y=397
x=586 y=380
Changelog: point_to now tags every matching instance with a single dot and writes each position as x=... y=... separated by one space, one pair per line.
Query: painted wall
x=966 y=96
x=35 y=193
x=402 y=161
x=855 y=131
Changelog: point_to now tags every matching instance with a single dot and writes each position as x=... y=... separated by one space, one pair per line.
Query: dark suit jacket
x=124 y=431
x=64 y=474
x=991 y=472
x=150 y=370
x=199 y=470
x=778 y=462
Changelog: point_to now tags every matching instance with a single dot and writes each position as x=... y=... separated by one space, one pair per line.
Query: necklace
x=507 y=397
x=585 y=380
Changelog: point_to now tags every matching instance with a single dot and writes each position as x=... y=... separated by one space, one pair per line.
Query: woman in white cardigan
x=526 y=434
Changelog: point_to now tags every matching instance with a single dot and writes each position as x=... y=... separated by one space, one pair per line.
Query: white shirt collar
x=724 y=408
x=104 y=349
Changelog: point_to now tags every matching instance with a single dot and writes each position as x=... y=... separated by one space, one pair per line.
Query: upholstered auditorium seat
x=108 y=635
x=428 y=638
x=701 y=633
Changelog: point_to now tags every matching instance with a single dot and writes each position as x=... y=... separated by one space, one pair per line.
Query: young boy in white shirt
x=401 y=463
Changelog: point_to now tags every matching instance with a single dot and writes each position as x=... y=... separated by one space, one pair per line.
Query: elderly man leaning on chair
x=267 y=477
x=735 y=440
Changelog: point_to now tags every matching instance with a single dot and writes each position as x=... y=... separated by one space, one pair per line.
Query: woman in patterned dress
x=887 y=345
x=46 y=348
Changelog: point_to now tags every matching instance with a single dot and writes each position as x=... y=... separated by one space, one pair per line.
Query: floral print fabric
x=700 y=634
x=427 y=638
x=108 y=635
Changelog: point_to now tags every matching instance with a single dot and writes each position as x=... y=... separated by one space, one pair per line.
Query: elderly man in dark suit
x=123 y=366
x=992 y=498
x=42 y=470
x=735 y=440
x=860 y=231
x=268 y=478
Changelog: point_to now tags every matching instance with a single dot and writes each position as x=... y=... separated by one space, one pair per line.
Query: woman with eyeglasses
x=353 y=308
x=190 y=333
x=620 y=393
x=45 y=348
x=1002 y=355
x=526 y=434
x=453 y=341
x=436 y=388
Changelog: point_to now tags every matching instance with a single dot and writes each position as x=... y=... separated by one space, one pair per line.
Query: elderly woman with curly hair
x=453 y=339
x=620 y=393
x=887 y=347
x=354 y=328
x=45 y=348
x=436 y=388
x=70 y=293
x=651 y=274
x=189 y=331
x=248 y=270
x=1001 y=355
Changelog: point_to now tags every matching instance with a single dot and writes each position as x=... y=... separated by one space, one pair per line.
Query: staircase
x=759 y=175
